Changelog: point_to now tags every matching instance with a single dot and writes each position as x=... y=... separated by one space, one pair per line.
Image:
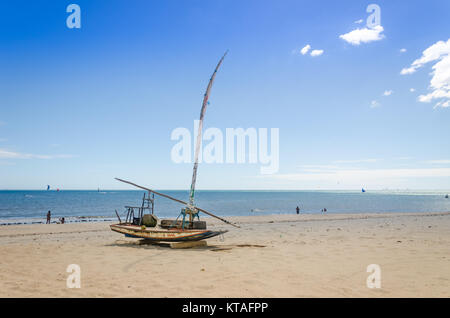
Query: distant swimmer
x=49 y=216
x=298 y=210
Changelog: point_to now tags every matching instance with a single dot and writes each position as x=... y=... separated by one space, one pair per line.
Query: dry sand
x=270 y=256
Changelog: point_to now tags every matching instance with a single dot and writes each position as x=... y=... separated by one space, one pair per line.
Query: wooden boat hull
x=164 y=235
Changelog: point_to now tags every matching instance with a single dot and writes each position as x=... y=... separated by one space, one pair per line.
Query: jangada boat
x=148 y=226
x=164 y=235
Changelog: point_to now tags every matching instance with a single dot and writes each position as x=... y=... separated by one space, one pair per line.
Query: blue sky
x=79 y=107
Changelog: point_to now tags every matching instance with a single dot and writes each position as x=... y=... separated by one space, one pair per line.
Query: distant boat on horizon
x=363 y=190
x=446 y=196
x=48 y=187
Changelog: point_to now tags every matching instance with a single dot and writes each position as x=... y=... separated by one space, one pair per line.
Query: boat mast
x=199 y=135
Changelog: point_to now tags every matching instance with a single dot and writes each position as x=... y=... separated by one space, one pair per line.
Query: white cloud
x=357 y=161
x=6 y=154
x=387 y=93
x=305 y=49
x=359 y=21
x=364 y=35
x=412 y=90
x=374 y=104
x=357 y=175
x=436 y=94
x=319 y=167
x=432 y=53
x=439 y=52
x=402 y=50
x=408 y=70
x=316 y=52
x=339 y=176
x=439 y=161
x=442 y=104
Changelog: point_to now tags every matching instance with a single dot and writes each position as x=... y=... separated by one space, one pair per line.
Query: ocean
x=18 y=207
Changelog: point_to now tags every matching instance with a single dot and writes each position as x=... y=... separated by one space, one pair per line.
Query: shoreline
x=298 y=217
x=42 y=221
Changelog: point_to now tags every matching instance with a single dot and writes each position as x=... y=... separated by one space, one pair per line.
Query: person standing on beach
x=298 y=210
x=49 y=216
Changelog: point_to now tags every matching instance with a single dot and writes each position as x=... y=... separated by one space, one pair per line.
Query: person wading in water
x=49 y=216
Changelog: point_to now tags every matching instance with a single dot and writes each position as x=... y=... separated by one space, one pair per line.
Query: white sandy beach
x=270 y=256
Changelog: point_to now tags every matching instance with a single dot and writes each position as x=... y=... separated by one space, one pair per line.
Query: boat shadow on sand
x=150 y=245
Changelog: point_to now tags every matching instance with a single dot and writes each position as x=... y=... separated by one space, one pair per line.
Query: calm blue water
x=33 y=205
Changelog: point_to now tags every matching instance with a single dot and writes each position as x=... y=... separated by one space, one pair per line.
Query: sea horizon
x=367 y=190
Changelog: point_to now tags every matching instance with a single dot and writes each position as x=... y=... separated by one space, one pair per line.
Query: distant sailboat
x=48 y=187
x=362 y=190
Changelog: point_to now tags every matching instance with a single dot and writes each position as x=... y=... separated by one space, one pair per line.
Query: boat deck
x=160 y=234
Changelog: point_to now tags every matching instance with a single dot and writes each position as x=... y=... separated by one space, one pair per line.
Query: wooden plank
x=197 y=225
x=120 y=221
x=188 y=244
x=144 y=242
